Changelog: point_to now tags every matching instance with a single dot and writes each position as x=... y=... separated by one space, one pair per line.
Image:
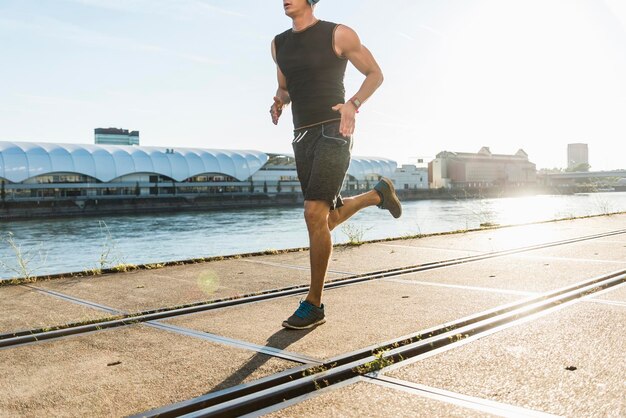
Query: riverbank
x=53 y=245
x=104 y=206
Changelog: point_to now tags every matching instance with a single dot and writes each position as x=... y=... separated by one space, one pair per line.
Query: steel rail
x=246 y=399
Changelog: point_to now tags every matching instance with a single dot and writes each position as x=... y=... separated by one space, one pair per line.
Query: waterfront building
x=577 y=157
x=464 y=170
x=410 y=177
x=279 y=174
x=115 y=136
x=71 y=172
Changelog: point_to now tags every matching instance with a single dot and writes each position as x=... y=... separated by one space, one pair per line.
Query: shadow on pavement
x=280 y=340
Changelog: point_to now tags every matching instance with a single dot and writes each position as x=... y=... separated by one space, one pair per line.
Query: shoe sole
x=314 y=324
x=396 y=206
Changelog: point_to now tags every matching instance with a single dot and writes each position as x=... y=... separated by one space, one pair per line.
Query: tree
x=3 y=193
x=584 y=167
x=265 y=187
x=137 y=189
x=278 y=187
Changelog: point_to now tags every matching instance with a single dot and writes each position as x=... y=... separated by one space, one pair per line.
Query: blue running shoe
x=388 y=197
x=306 y=316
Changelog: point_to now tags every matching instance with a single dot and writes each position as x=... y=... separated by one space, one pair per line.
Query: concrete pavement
x=569 y=361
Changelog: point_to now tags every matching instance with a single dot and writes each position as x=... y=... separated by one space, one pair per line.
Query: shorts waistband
x=318 y=125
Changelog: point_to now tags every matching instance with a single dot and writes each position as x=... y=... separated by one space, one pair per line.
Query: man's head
x=294 y=8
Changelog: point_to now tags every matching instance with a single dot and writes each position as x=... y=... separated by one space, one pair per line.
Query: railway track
x=263 y=395
x=117 y=319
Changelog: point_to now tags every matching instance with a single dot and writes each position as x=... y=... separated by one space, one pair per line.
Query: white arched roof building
x=361 y=167
x=20 y=161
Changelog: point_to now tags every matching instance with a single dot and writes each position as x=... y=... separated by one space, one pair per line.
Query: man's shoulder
x=330 y=25
x=283 y=34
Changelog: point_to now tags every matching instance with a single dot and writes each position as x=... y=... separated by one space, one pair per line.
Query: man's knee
x=316 y=213
x=333 y=219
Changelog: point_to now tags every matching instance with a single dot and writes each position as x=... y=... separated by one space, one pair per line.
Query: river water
x=65 y=245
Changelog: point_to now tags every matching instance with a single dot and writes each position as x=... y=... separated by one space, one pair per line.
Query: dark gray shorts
x=322 y=160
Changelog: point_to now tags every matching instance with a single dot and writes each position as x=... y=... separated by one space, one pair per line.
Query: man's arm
x=281 y=99
x=348 y=45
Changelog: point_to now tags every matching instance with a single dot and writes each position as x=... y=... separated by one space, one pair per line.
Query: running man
x=311 y=60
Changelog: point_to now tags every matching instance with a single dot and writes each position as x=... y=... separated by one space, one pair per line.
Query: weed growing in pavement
x=603 y=206
x=123 y=268
x=154 y=266
x=379 y=362
x=483 y=213
x=564 y=215
x=109 y=256
x=318 y=369
x=107 y=250
x=457 y=337
x=27 y=262
x=315 y=370
x=354 y=233
x=480 y=209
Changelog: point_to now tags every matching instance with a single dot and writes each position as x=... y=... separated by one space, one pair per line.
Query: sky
x=459 y=74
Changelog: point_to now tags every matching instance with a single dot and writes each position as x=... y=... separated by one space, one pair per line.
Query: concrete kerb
x=154 y=266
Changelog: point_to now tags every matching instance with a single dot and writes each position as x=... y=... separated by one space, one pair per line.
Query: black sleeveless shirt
x=314 y=72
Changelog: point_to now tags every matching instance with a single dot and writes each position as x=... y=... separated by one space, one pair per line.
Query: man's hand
x=276 y=110
x=348 y=113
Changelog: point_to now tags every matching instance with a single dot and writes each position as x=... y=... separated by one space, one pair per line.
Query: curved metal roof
x=22 y=160
x=360 y=167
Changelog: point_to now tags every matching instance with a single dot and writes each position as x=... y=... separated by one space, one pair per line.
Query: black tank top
x=314 y=72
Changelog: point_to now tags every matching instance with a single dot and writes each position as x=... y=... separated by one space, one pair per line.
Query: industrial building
x=454 y=170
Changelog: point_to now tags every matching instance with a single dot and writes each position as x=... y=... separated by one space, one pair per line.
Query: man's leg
x=316 y=215
x=320 y=220
x=352 y=205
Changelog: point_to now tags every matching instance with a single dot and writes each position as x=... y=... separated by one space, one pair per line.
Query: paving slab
x=372 y=257
x=364 y=399
x=172 y=286
x=375 y=257
x=23 y=309
x=501 y=239
x=570 y=362
x=599 y=250
x=120 y=372
x=413 y=251
x=515 y=273
x=357 y=316
x=610 y=222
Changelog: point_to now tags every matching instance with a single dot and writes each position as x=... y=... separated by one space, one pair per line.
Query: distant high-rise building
x=115 y=136
x=577 y=157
